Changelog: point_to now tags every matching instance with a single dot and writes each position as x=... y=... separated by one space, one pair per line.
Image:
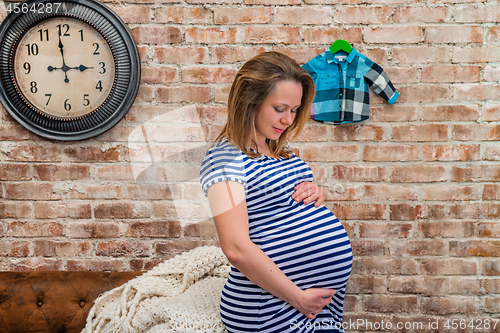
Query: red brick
x=235 y=15
x=181 y=54
x=93 y=153
x=93 y=265
x=14 y=248
x=449 y=266
x=389 y=192
x=179 y=14
x=351 y=302
x=61 y=172
x=159 y=74
x=449 y=304
x=417 y=248
x=490 y=267
x=31 y=190
x=13 y=133
x=402 y=75
x=420 y=54
x=476 y=248
x=359 y=211
x=479 y=14
x=93 y=230
x=423 y=14
x=204 y=2
x=469 y=92
x=133 y=13
x=427 y=93
x=386 y=230
x=491 y=112
x=156 y=34
x=19 y=210
x=221 y=96
x=123 y=248
x=449 y=193
x=420 y=133
x=272 y=35
x=493 y=34
x=474 y=211
x=491 y=192
x=188 y=94
x=380 y=153
x=366 y=285
x=74 y=210
x=451 y=153
x=273 y=2
x=122 y=210
x=114 y=172
x=445 y=229
x=475 y=173
x=450 y=74
x=16 y=171
x=62 y=249
x=234 y=54
x=35 y=265
x=145 y=94
x=164 y=210
x=31 y=153
x=488 y=229
x=491 y=305
x=418 y=173
x=450 y=112
x=106 y=192
x=492 y=74
x=202 y=229
x=213 y=35
x=302 y=15
x=359 y=173
x=331 y=153
x=208 y=74
x=407 y=212
x=360 y=15
x=143 y=53
x=454 y=34
x=378 y=55
x=389 y=113
x=491 y=152
x=476 y=132
x=155 y=229
x=328 y=35
x=476 y=54
x=387 y=266
x=390 y=303
x=178 y=246
x=367 y=247
x=392 y=35
x=34 y=229
x=358 y=133
x=116 y=134
x=141 y=265
x=313 y=133
x=417 y=285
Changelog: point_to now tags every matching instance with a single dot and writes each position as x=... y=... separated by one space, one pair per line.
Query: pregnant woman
x=291 y=256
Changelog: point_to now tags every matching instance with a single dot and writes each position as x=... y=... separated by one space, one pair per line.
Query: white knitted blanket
x=181 y=295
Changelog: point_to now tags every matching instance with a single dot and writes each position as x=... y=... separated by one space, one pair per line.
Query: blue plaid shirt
x=342 y=82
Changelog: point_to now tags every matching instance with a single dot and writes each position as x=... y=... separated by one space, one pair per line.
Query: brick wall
x=416 y=186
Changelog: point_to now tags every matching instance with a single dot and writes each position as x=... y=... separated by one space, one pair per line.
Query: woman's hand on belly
x=313 y=300
x=308 y=192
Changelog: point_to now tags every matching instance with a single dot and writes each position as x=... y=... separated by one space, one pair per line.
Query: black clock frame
x=126 y=81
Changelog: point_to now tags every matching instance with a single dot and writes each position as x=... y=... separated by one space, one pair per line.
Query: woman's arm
x=227 y=201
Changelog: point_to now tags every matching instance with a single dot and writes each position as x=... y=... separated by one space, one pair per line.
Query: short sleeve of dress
x=222 y=162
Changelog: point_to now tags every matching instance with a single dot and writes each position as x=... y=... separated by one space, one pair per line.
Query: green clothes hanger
x=340 y=45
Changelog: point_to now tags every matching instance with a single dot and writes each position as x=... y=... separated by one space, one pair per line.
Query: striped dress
x=307 y=243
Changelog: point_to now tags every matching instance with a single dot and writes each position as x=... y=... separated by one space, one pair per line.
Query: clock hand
x=81 y=68
x=64 y=67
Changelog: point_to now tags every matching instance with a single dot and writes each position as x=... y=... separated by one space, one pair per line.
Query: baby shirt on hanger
x=342 y=82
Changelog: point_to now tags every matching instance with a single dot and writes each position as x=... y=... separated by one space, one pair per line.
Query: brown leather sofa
x=54 y=302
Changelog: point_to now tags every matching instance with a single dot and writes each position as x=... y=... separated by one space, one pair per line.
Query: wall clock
x=69 y=70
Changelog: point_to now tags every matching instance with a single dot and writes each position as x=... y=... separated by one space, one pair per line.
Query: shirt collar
x=330 y=58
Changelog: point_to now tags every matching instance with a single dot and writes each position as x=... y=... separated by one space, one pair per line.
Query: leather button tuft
x=82 y=304
x=39 y=304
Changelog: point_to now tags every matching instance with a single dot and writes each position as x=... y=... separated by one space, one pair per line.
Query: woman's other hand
x=308 y=192
x=313 y=300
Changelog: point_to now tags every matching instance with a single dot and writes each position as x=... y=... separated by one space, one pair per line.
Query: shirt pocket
x=329 y=81
x=352 y=80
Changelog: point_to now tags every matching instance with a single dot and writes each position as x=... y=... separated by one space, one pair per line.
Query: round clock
x=69 y=70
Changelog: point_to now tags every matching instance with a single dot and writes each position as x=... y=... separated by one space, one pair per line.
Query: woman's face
x=278 y=110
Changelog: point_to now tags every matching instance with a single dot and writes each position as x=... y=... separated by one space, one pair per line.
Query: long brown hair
x=253 y=83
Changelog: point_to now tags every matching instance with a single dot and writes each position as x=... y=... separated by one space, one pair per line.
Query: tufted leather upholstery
x=52 y=301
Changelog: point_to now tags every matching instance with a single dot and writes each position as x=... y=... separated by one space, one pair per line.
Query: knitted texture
x=181 y=295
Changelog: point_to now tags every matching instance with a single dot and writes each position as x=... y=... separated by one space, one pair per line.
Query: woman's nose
x=287 y=118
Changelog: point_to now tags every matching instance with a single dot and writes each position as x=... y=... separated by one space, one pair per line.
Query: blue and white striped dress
x=307 y=243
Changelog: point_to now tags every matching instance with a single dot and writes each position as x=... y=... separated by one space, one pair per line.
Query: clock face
x=64 y=67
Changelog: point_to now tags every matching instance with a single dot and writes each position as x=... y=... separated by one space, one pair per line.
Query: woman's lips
x=278 y=130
